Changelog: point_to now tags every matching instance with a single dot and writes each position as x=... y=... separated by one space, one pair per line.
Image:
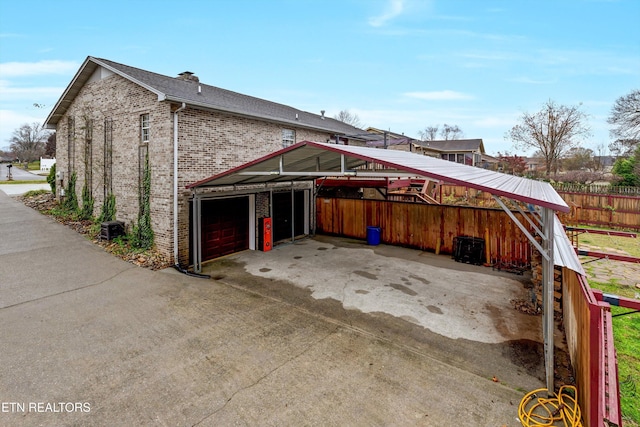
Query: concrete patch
x=469 y=300
x=366 y=275
x=434 y=309
x=404 y=289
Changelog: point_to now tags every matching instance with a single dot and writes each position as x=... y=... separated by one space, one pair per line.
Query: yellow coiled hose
x=563 y=408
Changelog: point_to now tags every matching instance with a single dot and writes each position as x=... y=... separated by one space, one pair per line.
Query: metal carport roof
x=308 y=160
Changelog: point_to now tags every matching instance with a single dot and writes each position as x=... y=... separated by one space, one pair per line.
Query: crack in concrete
x=67 y=291
x=268 y=374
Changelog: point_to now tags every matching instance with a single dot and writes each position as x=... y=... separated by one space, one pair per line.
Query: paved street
x=19 y=174
x=88 y=339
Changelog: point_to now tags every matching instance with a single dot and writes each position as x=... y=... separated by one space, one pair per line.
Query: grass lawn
x=626 y=332
x=34 y=166
x=606 y=276
x=44 y=181
x=606 y=243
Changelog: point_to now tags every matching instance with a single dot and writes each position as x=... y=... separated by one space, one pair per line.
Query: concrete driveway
x=88 y=339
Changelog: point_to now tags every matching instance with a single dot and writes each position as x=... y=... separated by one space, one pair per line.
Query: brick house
x=465 y=151
x=112 y=116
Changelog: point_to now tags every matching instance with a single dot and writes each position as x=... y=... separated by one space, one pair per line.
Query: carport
x=309 y=161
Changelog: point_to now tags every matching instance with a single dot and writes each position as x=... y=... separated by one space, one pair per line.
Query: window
x=144 y=128
x=288 y=137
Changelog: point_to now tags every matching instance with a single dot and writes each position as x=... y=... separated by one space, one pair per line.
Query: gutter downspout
x=175 y=183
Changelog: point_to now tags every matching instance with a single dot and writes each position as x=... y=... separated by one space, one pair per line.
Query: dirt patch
x=525 y=306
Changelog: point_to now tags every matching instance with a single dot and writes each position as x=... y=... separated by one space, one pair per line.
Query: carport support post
x=546 y=250
x=196 y=220
x=548 y=217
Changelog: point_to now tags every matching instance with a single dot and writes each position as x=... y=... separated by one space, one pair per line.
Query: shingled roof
x=199 y=95
x=453 y=145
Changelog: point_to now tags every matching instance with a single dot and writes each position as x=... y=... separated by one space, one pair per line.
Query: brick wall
x=213 y=142
x=536 y=279
x=123 y=102
x=209 y=143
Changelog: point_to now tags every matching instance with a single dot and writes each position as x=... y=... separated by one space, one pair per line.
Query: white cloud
x=528 y=80
x=19 y=69
x=20 y=93
x=394 y=9
x=442 y=95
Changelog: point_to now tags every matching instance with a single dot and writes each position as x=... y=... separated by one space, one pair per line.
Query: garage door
x=225 y=227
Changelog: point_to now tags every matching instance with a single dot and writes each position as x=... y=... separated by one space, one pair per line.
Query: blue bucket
x=373 y=236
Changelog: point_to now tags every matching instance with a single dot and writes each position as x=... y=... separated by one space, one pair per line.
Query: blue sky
x=400 y=65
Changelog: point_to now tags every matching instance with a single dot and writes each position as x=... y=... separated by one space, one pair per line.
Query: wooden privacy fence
x=586 y=319
x=595 y=188
x=610 y=210
x=597 y=209
x=426 y=227
x=589 y=333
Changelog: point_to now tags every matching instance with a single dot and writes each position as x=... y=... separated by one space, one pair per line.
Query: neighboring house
x=465 y=151
x=604 y=163
x=112 y=117
x=535 y=164
x=489 y=162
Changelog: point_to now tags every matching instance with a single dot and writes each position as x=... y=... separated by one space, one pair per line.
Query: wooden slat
x=421 y=226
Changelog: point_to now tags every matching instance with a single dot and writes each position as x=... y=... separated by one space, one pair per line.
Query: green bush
x=51 y=178
x=108 y=212
x=142 y=235
x=87 y=203
x=71 y=199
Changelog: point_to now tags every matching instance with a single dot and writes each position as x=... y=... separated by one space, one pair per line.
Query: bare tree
x=349 y=118
x=451 y=132
x=625 y=119
x=579 y=158
x=27 y=142
x=553 y=131
x=430 y=133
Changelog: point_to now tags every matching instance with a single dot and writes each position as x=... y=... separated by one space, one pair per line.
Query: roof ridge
x=229 y=91
x=172 y=89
